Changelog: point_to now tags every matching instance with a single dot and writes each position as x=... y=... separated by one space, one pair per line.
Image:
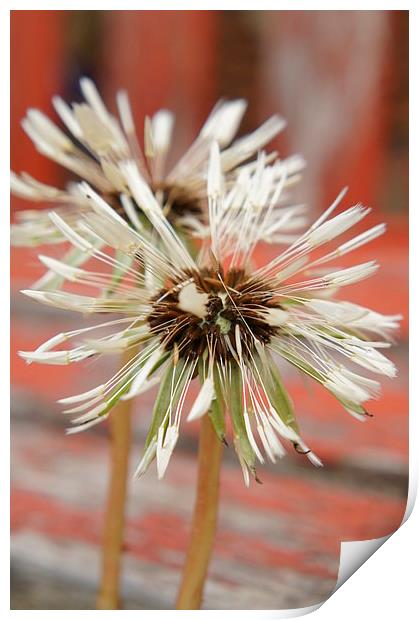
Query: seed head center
x=201 y=310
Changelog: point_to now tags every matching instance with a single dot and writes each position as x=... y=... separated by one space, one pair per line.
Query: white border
x=386 y=584
x=262 y=5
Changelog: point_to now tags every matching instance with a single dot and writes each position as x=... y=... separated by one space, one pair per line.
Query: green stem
x=204 y=519
x=113 y=531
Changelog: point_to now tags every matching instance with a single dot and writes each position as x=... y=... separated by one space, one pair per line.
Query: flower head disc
x=213 y=310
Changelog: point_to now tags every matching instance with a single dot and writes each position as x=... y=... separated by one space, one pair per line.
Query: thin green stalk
x=113 y=531
x=204 y=518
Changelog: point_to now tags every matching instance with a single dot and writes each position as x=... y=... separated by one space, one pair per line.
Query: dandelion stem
x=204 y=518
x=113 y=531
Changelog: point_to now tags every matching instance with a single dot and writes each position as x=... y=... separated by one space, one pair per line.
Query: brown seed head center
x=231 y=299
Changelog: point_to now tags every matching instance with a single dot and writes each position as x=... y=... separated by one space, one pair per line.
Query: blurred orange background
x=340 y=78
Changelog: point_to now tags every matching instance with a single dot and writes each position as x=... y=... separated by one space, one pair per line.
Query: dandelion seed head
x=97 y=145
x=212 y=315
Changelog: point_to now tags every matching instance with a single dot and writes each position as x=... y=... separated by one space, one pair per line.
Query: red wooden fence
x=37 y=73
